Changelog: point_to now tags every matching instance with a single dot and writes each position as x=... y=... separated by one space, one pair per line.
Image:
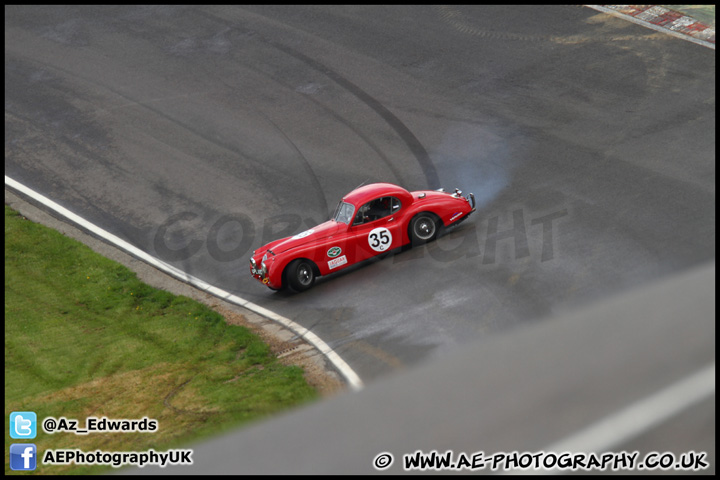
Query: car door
x=333 y=254
x=375 y=228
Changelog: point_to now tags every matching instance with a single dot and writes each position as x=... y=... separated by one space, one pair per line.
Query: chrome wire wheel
x=424 y=228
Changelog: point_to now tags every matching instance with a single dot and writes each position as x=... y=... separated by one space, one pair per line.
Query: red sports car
x=368 y=221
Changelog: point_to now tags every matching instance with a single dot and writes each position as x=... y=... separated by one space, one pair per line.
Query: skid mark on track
x=330 y=112
x=395 y=123
x=129 y=101
x=457 y=20
x=412 y=142
x=396 y=173
x=145 y=103
x=306 y=164
x=151 y=105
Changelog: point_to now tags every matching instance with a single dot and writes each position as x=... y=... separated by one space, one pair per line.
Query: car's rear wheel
x=423 y=228
x=300 y=274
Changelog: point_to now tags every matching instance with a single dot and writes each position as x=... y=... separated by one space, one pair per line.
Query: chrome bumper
x=262 y=271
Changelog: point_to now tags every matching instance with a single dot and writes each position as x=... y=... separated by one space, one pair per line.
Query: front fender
x=275 y=269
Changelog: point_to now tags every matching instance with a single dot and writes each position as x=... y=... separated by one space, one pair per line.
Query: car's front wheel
x=423 y=228
x=300 y=274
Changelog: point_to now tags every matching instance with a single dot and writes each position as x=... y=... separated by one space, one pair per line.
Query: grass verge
x=84 y=337
x=703 y=13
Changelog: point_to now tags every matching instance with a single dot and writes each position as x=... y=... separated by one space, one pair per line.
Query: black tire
x=423 y=228
x=300 y=274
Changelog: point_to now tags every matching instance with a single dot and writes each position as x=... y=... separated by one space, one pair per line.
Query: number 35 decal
x=380 y=239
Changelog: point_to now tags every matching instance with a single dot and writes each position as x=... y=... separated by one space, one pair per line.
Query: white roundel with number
x=303 y=234
x=380 y=239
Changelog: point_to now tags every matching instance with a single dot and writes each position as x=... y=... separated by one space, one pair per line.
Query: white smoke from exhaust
x=476 y=160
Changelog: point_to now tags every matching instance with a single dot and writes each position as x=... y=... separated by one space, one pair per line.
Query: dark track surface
x=555 y=386
x=588 y=141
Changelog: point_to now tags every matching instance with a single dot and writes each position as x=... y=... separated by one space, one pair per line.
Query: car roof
x=372 y=191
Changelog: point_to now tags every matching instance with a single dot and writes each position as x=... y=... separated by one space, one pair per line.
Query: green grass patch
x=703 y=13
x=84 y=337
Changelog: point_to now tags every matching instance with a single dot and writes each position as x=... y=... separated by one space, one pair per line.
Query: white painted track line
x=350 y=376
x=641 y=416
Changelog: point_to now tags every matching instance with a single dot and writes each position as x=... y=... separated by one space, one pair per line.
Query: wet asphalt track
x=199 y=133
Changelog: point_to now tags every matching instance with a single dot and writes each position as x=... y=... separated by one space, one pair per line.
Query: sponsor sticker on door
x=334 y=252
x=336 y=262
